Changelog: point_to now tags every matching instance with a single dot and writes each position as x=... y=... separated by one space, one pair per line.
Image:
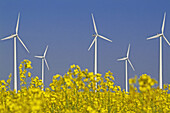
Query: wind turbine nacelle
x=15 y=35
x=94 y=35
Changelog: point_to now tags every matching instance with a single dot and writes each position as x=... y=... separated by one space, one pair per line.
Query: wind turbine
x=160 y=47
x=14 y=36
x=43 y=59
x=95 y=41
x=127 y=60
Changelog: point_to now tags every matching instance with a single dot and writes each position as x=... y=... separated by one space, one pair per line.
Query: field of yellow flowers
x=77 y=92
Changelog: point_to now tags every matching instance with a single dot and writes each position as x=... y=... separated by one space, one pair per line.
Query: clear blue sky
x=66 y=26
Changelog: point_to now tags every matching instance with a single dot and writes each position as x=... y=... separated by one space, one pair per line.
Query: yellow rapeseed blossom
x=29 y=74
x=80 y=91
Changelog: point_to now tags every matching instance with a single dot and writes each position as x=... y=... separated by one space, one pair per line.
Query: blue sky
x=66 y=27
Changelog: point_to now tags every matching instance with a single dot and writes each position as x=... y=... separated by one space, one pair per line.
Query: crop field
x=77 y=92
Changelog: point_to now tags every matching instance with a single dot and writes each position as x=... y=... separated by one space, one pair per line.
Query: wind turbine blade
x=94 y=24
x=38 y=56
x=166 y=40
x=17 y=23
x=92 y=42
x=125 y=58
x=156 y=36
x=46 y=63
x=105 y=38
x=128 y=51
x=131 y=65
x=45 y=51
x=22 y=43
x=163 y=24
x=12 y=36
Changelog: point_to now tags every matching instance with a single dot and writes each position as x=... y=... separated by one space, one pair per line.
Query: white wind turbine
x=15 y=60
x=43 y=59
x=160 y=47
x=127 y=59
x=95 y=40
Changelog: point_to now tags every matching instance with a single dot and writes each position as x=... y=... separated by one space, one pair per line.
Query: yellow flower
x=56 y=76
x=165 y=86
x=152 y=83
x=98 y=75
x=130 y=81
x=10 y=75
x=144 y=76
x=91 y=74
x=141 y=83
x=107 y=79
x=29 y=74
x=89 y=108
x=3 y=81
x=86 y=79
x=8 y=81
x=86 y=70
x=52 y=87
x=112 y=77
x=98 y=79
x=89 y=85
x=142 y=89
x=28 y=66
x=77 y=67
x=72 y=66
x=148 y=87
x=77 y=94
x=20 y=66
x=119 y=88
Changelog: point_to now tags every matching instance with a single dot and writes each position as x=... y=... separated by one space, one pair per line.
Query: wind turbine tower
x=95 y=41
x=43 y=59
x=126 y=59
x=160 y=51
x=14 y=36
